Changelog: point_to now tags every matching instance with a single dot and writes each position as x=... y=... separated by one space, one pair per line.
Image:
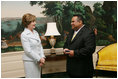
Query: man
x=79 y=47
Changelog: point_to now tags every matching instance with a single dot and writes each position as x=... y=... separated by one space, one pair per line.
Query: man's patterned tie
x=73 y=36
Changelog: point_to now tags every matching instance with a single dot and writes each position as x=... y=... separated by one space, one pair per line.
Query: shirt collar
x=33 y=35
x=28 y=31
x=78 y=29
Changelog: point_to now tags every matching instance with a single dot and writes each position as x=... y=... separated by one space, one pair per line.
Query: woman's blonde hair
x=27 y=19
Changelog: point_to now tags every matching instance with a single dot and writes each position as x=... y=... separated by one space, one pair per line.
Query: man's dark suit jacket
x=81 y=64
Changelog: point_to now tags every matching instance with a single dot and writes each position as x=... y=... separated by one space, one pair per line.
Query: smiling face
x=75 y=23
x=31 y=26
x=29 y=21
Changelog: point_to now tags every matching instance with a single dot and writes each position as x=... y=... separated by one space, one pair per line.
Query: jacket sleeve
x=27 y=49
x=42 y=52
x=89 y=45
x=41 y=47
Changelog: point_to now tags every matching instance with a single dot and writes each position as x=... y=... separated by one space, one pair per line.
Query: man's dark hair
x=79 y=17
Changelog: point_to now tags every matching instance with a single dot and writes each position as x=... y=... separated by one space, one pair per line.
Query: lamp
x=3 y=43
x=52 y=31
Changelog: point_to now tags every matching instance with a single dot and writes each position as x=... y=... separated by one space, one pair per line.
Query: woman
x=33 y=57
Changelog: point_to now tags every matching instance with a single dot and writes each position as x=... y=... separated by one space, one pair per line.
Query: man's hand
x=65 y=51
x=70 y=53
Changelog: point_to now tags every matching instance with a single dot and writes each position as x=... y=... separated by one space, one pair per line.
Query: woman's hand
x=42 y=62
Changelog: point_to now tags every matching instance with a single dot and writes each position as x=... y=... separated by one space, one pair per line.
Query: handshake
x=69 y=52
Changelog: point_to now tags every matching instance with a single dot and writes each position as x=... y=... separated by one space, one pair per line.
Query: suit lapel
x=71 y=35
x=72 y=32
x=34 y=36
x=31 y=35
